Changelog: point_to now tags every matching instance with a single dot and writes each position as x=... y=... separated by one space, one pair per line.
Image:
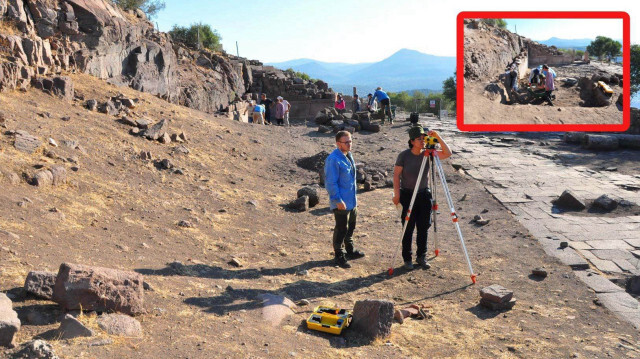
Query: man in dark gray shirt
x=405 y=177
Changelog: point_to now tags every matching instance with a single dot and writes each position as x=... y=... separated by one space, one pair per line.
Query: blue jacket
x=380 y=95
x=340 y=179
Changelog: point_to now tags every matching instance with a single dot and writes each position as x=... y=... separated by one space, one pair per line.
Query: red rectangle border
x=626 y=70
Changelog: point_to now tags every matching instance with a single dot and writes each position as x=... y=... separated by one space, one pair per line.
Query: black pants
x=343 y=231
x=280 y=121
x=547 y=96
x=386 y=108
x=420 y=218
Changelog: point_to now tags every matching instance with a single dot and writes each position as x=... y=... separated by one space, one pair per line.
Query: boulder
x=569 y=201
x=100 y=289
x=156 y=131
x=43 y=178
x=120 y=324
x=109 y=108
x=128 y=121
x=372 y=318
x=496 y=293
x=91 y=105
x=165 y=138
x=63 y=87
x=371 y=127
x=312 y=193
x=605 y=202
x=25 y=142
x=143 y=123
x=9 y=322
x=301 y=204
x=40 y=284
x=59 y=175
x=71 y=327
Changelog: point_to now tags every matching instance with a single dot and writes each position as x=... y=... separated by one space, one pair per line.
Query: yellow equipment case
x=329 y=320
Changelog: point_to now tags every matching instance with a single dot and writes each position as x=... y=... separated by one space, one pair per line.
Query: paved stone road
x=523 y=176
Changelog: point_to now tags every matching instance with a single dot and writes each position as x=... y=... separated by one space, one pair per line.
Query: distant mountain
x=404 y=70
x=577 y=44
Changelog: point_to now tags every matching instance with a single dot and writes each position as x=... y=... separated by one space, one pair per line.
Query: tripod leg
x=454 y=216
x=406 y=219
x=434 y=206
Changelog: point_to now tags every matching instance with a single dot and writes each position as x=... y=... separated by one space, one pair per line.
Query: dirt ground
x=482 y=107
x=122 y=212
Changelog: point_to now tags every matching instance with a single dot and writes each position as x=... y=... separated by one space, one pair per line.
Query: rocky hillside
x=48 y=39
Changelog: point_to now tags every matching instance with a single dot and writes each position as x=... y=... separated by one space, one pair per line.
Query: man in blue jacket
x=340 y=182
x=385 y=103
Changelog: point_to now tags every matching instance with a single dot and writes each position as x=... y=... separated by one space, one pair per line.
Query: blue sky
x=360 y=31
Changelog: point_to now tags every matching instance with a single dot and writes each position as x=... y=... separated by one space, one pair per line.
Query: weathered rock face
x=95 y=37
x=40 y=284
x=100 y=289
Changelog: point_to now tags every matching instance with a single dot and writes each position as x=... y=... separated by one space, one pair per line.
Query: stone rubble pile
x=329 y=120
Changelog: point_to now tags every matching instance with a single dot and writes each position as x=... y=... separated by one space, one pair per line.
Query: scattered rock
x=569 y=201
x=40 y=284
x=9 y=322
x=185 y=224
x=143 y=123
x=496 y=297
x=120 y=324
x=52 y=142
x=97 y=288
x=25 y=142
x=564 y=244
x=477 y=219
x=43 y=178
x=275 y=308
x=303 y=302
x=301 y=204
x=176 y=138
x=36 y=349
x=235 y=262
x=165 y=138
x=373 y=318
x=128 y=121
x=605 y=202
x=146 y=155
x=539 y=272
x=59 y=175
x=312 y=193
x=71 y=327
x=166 y=164
x=496 y=293
x=156 y=131
x=91 y=105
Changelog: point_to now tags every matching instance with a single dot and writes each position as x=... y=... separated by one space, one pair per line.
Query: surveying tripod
x=431 y=156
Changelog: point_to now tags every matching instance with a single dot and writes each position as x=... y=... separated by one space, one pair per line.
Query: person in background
x=280 y=110
x=371 y=103
x=258 y=114
x=549 y=85
x=356 y=103
x=340 y=183
x=340 y=104
x=266 y=102
x=385 y=103
x=248 y=110
x=287 y=109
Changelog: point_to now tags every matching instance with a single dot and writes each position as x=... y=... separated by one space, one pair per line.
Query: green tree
x=449 y=89
x=635 y=69
x=501 y=23
x=603 y=46
x=150 y=7
x=209 y=38
x=302 y=75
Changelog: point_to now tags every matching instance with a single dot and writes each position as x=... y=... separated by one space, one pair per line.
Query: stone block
x=40 y=284
x=100 y=289
x=372 y=318
x=496 y=293
x=71 y=327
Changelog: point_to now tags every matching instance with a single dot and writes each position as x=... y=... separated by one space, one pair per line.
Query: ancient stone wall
x=541 y=54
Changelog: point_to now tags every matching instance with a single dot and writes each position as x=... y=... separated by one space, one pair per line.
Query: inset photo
x=548 y=71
